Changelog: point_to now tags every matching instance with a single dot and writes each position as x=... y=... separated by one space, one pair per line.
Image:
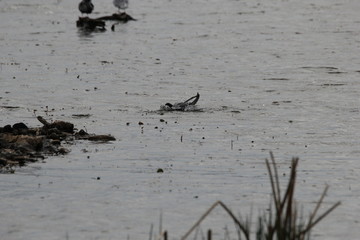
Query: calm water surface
x=279 y=76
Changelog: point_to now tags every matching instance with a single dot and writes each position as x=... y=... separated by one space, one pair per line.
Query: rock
x=20 y=144
x=90 y=24
x=121 y=17
x=19 y=126
x=59 y=125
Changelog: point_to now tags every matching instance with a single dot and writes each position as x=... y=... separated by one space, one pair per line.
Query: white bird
x=121 y=4
x=85 y=6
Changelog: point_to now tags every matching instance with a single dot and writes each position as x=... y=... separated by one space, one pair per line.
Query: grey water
x=279 y=76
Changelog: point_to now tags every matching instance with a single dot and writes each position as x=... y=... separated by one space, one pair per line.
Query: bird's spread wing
x=196 y=99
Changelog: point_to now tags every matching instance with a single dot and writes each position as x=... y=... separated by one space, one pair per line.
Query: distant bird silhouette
x=182 y=106
x=121 y=4
x=86 y=6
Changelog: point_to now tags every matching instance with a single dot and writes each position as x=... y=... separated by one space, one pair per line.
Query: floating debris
x=81 y=115
x=276 y=79
x=321 y=67
x=332 y=84
x=336 y=72
x=9 y=107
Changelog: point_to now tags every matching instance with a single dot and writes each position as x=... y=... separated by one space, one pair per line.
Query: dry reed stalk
x=237 y=222
x=284 y=224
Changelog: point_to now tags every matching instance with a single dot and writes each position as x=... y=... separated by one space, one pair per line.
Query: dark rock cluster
x=98 y=24
x=20 y=144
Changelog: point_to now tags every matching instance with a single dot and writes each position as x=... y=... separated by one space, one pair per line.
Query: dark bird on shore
x=86 y=6
x=181 y=106
x=121 y=4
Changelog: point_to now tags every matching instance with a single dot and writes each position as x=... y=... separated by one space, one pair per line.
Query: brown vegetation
x=283 y=224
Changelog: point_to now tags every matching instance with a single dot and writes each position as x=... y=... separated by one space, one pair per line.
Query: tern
x=181 y=106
